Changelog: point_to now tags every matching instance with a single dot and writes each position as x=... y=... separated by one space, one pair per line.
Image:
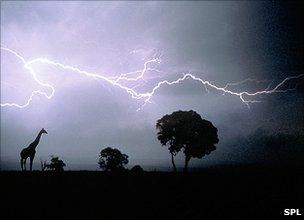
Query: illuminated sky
x=221 y=42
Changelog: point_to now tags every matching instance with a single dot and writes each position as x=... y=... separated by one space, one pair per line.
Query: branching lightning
x=120 y=81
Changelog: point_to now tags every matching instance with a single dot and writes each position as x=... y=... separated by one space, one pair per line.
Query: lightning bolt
x=242 y=82
x=244 y=96
x=142 y=72
x=26 y=66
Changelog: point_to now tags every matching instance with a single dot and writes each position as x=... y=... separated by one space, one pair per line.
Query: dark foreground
x=211 y=193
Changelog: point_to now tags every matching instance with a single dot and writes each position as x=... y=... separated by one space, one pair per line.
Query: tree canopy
x=56 y=164
x=187 y=131
x=137 y=169
x=112 y=159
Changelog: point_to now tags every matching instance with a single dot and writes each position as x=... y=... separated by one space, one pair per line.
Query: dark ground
x=208 y=194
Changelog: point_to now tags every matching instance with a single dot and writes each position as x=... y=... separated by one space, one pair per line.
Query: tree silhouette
x=112 y=159
x=137 y=169
x=188 y=131
x=56 y=164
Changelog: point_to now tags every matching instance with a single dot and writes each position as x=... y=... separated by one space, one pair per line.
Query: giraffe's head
x=43 y=131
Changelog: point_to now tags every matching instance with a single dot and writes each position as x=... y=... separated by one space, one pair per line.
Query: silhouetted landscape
x=116 y=191
x=153 y=109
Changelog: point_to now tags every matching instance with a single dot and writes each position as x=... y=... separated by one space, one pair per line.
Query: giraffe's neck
x=36 y=141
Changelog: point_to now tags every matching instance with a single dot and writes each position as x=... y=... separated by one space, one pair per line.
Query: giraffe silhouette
x=30 y=151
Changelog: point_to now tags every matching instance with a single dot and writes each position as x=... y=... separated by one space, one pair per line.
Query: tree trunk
x=173 y=163
x=187 y=159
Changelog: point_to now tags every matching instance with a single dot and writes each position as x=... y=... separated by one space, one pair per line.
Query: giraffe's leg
x=24 y=163
x=31 y=163
x=21 y=162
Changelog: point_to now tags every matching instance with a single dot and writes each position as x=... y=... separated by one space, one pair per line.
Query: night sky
x=222 y=42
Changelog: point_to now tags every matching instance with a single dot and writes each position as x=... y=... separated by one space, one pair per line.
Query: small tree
x=43 y=165
x=137 y=169
x=112 y=159
x=188 y=131
x=56 y=164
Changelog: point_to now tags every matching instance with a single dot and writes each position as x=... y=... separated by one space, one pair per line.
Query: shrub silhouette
x=137 y=169
x=56 y=164
x=187 y=131
x=112 y=159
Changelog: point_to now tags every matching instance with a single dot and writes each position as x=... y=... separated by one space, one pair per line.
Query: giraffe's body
x=30 y=151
